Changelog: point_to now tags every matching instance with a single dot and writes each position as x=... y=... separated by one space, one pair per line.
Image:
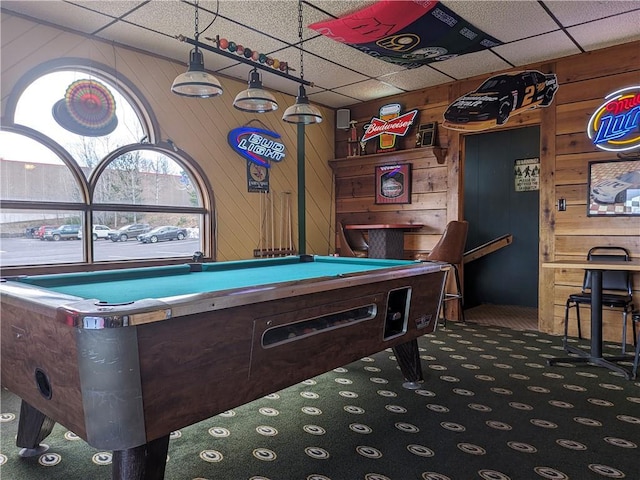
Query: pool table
x=124 y=357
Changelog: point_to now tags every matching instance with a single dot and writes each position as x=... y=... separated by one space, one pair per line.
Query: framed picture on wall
x=393 y=183
x=614 y=188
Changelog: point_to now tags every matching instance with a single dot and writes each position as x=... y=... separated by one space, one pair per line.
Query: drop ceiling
x=531 y=31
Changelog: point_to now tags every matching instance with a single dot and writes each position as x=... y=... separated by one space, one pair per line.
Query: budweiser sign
x=398 y=126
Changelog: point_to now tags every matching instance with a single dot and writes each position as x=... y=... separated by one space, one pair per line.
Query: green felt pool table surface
x=129 y=285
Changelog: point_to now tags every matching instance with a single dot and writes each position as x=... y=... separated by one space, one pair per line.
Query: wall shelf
x=440 y=153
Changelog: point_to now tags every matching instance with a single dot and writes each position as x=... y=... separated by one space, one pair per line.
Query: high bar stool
x=450 y=249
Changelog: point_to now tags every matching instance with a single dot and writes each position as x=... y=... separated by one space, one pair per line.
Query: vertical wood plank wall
x=565 y=152
x=199 y=127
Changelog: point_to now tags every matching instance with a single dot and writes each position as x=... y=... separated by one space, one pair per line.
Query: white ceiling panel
x=369 y=90
x=115 y=8
x=537 y=49
x=415 y=79
x=64 y=15
x=472 y=64
x=571 y=13
x=532 y=31
x=358 y=61
x=322 y=72
x=505 y=21
x=607 y=32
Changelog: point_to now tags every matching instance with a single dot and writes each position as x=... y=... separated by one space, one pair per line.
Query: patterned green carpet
x=490 y=409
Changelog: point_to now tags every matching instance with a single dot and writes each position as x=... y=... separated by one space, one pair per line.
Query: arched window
x=82 y=172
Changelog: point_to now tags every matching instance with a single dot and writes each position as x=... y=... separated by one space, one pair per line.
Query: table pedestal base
x=387 y=243
x=586 y=357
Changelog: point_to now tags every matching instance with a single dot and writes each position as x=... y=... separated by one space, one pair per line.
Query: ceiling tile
x=472 y=64
x=574 y=13
x=369 y=90
x=340 y=9
x=608 y=32
x=415 y=79
x=506 y=21
x=277 y=17
x=358 y=61
x=334 y=99
x=148 y=41
x=545 y=47
x=65 y=15
x=323 y=73
x=177 y=19
x=113 y=8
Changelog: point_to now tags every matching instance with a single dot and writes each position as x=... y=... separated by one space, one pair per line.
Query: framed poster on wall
x=614 y=188
x=393 y=183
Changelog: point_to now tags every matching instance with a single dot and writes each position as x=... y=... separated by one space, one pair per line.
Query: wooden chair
x=352 y=243
x=450 y=249
x=616 y=290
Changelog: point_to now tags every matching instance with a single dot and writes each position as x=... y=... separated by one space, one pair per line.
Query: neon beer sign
x=389 y=125
x=254 y=145
x=615 y=125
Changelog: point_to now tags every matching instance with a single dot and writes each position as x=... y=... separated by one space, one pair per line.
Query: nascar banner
x=408 y=33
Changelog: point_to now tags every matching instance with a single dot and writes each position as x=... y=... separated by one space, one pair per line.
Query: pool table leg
x=33 y=427
x=146 y=462
x=408 y=359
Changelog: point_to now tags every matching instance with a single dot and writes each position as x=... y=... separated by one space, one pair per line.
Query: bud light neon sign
x=615 y=125
x=253 y=144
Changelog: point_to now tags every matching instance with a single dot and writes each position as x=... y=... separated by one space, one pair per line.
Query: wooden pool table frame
x=127 y=388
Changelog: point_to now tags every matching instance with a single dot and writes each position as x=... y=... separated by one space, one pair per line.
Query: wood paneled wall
x=565 y=152
x=199 y=127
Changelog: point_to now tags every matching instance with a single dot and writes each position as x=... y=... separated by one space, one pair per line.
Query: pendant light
x=195 y=82
x=255 y=99
x=302 y=112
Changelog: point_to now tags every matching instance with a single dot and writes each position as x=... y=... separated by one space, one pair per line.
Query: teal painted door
x=493 y=207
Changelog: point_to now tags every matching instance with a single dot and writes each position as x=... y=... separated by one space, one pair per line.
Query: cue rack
x=272 y=226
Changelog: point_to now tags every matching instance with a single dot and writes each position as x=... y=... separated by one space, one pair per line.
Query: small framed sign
x=257 y=177
x=526 y=172
x=427 y=135
x=393 y=183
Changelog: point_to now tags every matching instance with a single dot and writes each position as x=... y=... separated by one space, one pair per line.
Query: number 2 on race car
x=529 y=92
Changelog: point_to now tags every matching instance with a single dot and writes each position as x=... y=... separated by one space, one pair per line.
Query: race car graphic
x=617 y=190
x=498 y=98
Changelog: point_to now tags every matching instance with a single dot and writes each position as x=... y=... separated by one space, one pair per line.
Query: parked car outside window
x=164 y=233
x=128 y=232
x=63 y=232
x=42 y=230
x=99 y=231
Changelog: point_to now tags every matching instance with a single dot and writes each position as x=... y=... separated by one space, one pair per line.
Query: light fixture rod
x=237 y=58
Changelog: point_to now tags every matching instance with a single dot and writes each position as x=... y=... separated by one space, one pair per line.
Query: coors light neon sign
x=615 y=125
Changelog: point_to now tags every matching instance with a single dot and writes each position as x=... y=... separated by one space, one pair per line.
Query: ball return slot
x=397 y=317
x=294 y=331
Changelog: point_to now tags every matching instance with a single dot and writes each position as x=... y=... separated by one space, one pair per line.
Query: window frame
x=151 y=129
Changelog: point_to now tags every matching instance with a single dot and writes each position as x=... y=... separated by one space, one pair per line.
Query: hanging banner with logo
x=407 y=33
x=615 y=125
x=527 y=174
x=254 y=145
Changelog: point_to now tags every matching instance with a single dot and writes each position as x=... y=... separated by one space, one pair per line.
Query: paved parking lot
x=27 y=251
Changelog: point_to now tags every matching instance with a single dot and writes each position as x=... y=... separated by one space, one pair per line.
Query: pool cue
x=289 y=222
x=273 y=226
x=260 y=227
